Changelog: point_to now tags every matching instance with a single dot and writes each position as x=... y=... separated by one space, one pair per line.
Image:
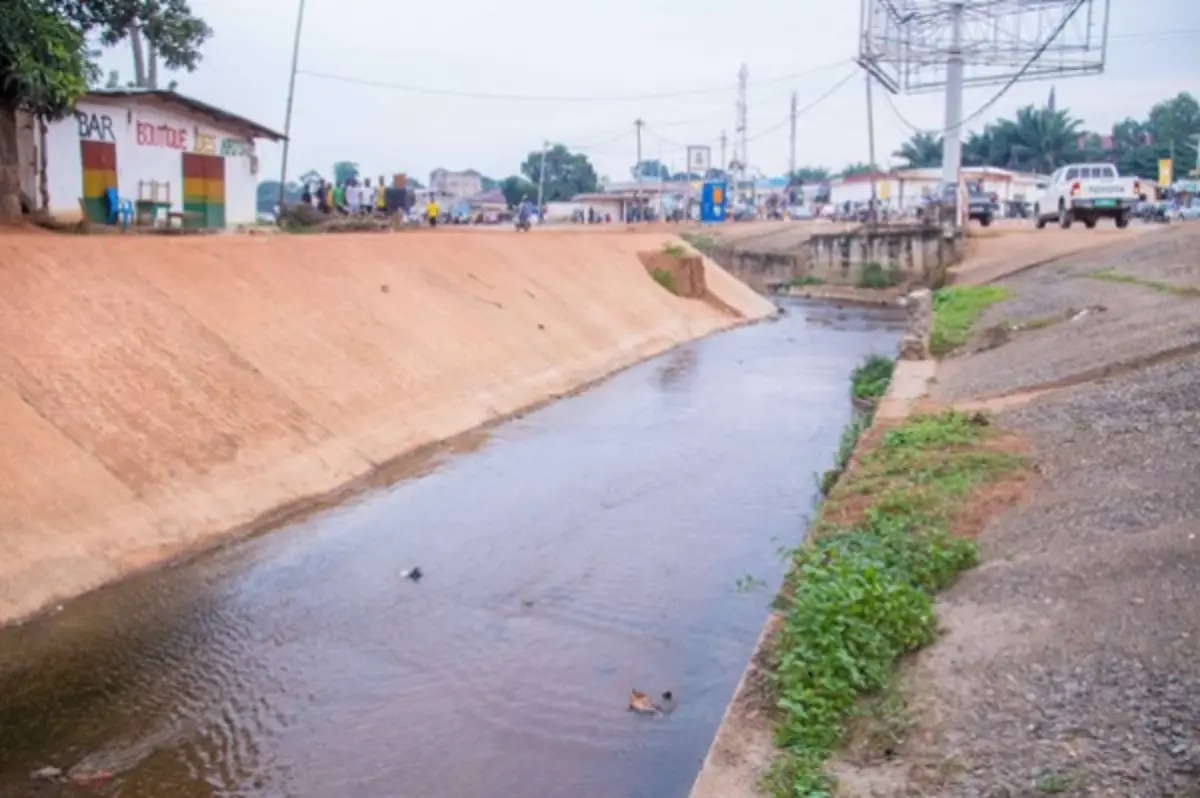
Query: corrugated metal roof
x=192 y=104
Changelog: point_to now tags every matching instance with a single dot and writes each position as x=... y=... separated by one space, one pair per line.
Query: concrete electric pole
x=724 y=163
x=742 y=111
x=873 y=210
x=542 y=177
x=638 y=123
x=792 y=141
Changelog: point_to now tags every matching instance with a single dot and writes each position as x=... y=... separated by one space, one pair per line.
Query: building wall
x=150 y=143
x=455 y=184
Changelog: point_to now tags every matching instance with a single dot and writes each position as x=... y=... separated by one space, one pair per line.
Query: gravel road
x=1137 y=322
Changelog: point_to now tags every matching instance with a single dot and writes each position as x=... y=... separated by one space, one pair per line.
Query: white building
x=904 y=188
x=455 y=185
x=171 y=155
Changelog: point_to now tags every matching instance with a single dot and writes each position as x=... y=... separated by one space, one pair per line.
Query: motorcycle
x=523 y=224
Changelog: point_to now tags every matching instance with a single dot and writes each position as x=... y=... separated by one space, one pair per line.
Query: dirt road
x=1071 y=662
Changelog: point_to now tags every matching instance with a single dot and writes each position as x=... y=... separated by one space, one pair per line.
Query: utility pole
x=873 y=210
x=743 y=82
x=287 y=120
x=952 y=138
x=637 y=166
x=792 y=154
x=542 y=178
x=724 y=163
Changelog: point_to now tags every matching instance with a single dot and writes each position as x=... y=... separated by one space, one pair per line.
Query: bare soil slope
x=157 y=394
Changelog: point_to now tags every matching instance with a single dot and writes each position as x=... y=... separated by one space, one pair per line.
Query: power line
x=824 y=96
x=480 y=95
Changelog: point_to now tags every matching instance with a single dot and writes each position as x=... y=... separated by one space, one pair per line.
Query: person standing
x=431 y=211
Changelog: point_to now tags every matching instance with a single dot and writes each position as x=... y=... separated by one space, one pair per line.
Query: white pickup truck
x=1087 y=192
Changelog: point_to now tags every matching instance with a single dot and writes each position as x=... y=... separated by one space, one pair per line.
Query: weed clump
x=674 y=251
x=664 y=278
x=860 y=594
x=875 y=276
x=872 y=377
x=808 y=279
x=955 y=311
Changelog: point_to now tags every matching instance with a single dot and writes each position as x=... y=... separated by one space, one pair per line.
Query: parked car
x=981 y=206
x=799 y=213
x=1189 y=212
x=1087 y=192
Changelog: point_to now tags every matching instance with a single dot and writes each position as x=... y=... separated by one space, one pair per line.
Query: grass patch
x=860 y=593
x=875 y=276
x=1112 y=276
x=675 y=251
x=703 y=243
x=872 y=377
x=664 y=278
x=846 y=445
x=955 y=311
x=808 y=279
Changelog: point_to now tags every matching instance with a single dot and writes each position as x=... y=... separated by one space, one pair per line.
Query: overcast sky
x=616 y=48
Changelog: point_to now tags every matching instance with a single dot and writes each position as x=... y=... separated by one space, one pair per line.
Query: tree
x=515 y=188
x=809 y=174
x=921 y=151
x=1173 y=126
x=489 y=183
x=650 y=170
x=858 y=169
x=343 y=171
x=46 y=65
x=268 y=194
x=566 y=173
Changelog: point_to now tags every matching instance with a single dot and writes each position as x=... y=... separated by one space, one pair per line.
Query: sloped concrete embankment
x=160 y=395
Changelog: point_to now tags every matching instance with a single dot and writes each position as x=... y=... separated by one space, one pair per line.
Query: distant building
x=168 y=153
x=455 y=185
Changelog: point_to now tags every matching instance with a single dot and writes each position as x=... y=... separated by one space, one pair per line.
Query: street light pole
x=542 y=177
x=287 y=120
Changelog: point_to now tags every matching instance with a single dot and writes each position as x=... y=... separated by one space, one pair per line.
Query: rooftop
x=168 y=97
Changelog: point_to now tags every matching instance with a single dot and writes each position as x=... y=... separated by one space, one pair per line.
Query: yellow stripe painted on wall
x=96 y=181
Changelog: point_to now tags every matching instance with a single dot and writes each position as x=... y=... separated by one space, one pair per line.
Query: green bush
x=872 y=377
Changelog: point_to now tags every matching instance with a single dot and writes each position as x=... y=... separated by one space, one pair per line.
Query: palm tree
x=1044 y=140
x=922 y=150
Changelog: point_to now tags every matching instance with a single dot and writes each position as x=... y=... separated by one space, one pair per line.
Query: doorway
x=99 y=161
x=203 y=190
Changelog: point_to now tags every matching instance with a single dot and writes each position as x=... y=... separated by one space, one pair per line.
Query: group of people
x=349 y=197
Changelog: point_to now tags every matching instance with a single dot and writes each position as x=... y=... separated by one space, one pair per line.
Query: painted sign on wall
x=204 y=143
x=236 y=148
x=95 y=127
x=151 y=135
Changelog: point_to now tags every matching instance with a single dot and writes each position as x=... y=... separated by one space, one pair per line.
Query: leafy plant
x=808 y=279
x=871 y=378
x=955 y=311
x=860 y=594
x=674 y=251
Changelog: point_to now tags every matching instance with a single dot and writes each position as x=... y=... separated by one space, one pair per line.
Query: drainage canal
x=584 y=550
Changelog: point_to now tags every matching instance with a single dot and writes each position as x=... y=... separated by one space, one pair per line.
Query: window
x=1073 y=173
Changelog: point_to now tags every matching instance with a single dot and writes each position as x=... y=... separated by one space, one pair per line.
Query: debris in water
x=46 y=774
x=640 y=702
x=413 y=574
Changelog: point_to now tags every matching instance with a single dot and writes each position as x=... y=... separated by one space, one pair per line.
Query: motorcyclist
x=525 y=212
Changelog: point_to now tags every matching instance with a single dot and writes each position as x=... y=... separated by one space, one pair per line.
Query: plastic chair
x=118 y=208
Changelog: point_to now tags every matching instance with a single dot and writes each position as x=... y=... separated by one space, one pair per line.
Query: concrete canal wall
x=160 y=395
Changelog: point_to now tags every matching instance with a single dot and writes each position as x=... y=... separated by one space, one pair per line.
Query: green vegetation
x=702 y=243
x=849 y=440
x=955 y=311
x=665 y=279
x=871 y=379
x=1112 y=276
x=1043 y=138
x=875 y=276
x=674 y=250
x=860 y=594
x=808 y=279
x=1051 y=783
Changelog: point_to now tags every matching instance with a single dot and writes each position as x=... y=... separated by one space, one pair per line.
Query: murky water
x=584 y=550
